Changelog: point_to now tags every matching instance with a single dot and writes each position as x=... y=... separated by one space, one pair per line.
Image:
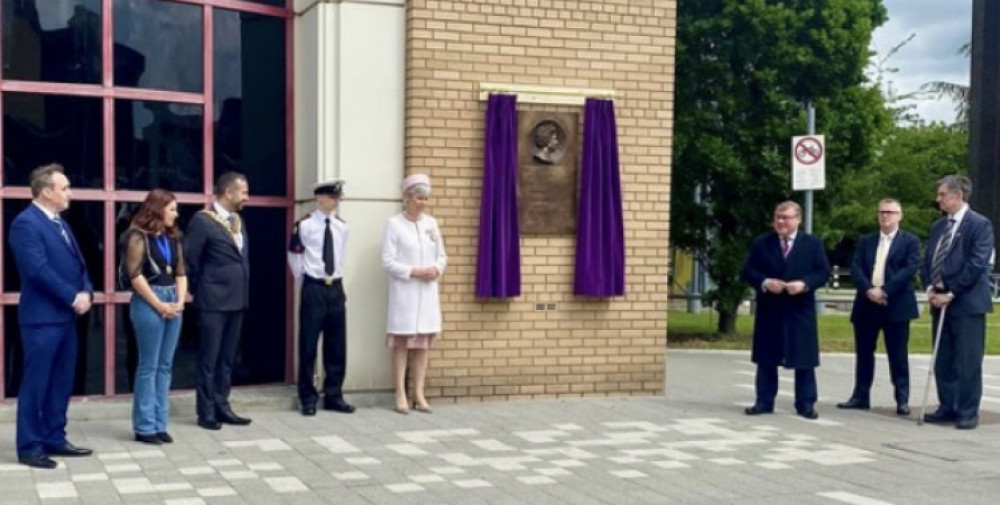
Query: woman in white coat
x=413 y=256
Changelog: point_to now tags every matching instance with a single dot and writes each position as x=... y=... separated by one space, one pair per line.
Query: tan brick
x=506 y=350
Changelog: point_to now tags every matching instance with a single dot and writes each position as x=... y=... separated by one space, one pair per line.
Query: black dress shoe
x=227 y=416
x=209 y=424
x=309 y=410
x=338 y=405
x=757 y=410
x=902 y=409
x=165 y=437
x=148 y=439
x=940 y=417
x=70 y=450
x=38 y=461
x=967 y=424
x=809 y=413
x=854 y=403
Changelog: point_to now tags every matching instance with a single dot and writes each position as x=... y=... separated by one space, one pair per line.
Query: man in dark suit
x=219 y=271
x=55 y=290
x=884 y=265
x=785 y=268
x=956 y=270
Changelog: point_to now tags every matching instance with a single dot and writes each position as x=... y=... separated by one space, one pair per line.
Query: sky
x=941 y=28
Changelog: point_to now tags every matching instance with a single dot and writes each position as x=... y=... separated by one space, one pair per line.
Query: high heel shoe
x=402 y=410
x=426 y=409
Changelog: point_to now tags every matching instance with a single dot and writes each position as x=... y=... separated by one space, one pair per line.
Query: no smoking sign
x=808 y=162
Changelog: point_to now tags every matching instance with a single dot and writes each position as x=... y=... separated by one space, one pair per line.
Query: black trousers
x=322 y=310
x=897 y=338
x=766 y=384
x=219 y=338
x=958 y=370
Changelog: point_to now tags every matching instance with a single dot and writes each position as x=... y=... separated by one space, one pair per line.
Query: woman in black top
x=154 y=264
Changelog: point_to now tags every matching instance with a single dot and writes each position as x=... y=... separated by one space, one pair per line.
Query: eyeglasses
x=888 y=212
x=785 y=217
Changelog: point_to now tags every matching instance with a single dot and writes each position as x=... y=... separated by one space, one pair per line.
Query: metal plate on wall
x=547 y=183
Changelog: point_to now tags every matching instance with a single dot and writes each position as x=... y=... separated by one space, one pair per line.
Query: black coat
x=784 y=332
x=901 y=266
x=219 y=273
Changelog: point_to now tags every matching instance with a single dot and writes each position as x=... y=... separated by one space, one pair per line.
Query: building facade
x=135 y=94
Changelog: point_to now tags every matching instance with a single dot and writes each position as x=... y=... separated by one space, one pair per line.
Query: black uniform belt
x=322 y=282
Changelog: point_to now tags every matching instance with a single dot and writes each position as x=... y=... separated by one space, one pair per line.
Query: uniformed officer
x=316 y=256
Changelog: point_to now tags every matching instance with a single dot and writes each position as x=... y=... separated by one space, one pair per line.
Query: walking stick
x=936 y=344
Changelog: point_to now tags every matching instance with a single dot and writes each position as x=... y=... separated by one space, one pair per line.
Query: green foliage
x=909 y=163
x=744 y=68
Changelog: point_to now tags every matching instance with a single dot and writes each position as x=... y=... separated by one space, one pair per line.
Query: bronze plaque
x=547 y=183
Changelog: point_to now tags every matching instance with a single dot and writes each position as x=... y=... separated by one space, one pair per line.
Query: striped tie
x=942 y=250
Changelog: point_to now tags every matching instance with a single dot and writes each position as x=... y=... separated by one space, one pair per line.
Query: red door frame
x=110 y=298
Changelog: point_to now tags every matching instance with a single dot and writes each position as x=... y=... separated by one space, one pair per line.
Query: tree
x=910 y=161
x=959 y=93
x=744 y=69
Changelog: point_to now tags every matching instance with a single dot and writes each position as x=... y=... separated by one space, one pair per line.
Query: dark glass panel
x=262 y=350
x=52 y=40
x=86 y=219
x=250 y=99
x=126 y=353
x=158 y=45
x=41 y=129
x=158 y=144
x=278 y=3
x=89 y=368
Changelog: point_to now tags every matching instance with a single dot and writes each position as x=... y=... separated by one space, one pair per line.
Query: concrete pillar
x=350 y=118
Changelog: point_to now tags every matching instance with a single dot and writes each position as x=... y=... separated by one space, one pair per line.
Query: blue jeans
x=157 y=340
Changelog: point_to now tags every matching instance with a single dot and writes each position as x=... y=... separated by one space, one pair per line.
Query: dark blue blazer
x=966 y=268
x=901 y=266
x=784 y=330
x=219 y=273
x=52 y=271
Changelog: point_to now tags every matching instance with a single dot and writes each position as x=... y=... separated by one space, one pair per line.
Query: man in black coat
x=956 y=270
x=884 y=265
x=785 y=268
x=216 y=248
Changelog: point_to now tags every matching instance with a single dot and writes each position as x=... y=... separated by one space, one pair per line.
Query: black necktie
x=328 y=249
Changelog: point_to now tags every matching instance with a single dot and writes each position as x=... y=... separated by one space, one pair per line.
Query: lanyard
x=163 y=244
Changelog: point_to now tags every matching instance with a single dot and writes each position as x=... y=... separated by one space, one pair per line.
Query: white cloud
x=941 y=28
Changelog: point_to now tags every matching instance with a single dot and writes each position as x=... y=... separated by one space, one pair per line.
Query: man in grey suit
x=956 y=270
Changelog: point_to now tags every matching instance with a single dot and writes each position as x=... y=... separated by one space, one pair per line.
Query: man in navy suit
x=956 y=270
x=218 y=267
x=884 y=265
x=785 y=268
x=55 y=290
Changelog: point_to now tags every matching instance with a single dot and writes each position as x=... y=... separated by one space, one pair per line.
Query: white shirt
x=48 y=213
x=958 y=216
x=311 y=232
x=226 y=216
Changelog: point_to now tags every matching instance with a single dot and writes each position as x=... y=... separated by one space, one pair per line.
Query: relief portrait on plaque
x=547 y=182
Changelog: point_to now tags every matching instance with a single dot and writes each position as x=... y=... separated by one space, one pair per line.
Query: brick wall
x=508 y=349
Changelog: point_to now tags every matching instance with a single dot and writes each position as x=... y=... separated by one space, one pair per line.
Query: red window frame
x=110 y=298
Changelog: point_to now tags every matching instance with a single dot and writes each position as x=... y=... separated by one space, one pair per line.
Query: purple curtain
x=498 y=272
x=600 y=230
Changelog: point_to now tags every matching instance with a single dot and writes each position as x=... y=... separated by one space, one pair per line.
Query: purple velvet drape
x=498 y=271
x=600 y=231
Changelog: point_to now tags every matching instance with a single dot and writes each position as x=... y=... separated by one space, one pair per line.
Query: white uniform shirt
x=310 y=261
x=414 y=304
